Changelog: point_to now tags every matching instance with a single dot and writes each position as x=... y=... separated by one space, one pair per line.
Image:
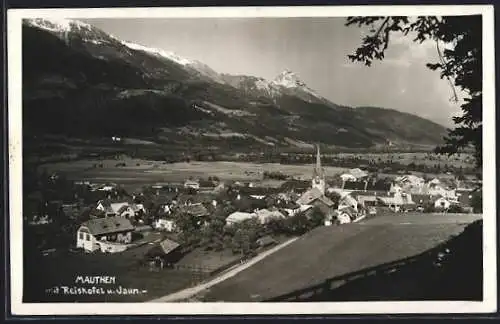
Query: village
x=209 y=225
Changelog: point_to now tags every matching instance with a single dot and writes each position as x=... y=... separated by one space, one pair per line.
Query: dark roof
x=309 y=196
x=420 y=199
x=378 y=185
x=359 y=193
x=196 y=198
x=168 y=245
x=327 y=201
x=349 y=210
x=108 y=225
x=164 y=198
x=197 y=210
x=463 y=197
x=290 y=205
x=295 y=184
x=354 y=185
x=256 y=191
x=207 y=184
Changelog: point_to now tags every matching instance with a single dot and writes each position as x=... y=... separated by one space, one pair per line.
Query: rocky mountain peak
x=288 y=79
x=60 y=25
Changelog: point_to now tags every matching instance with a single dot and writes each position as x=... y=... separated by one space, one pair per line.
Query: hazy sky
x=314 y=48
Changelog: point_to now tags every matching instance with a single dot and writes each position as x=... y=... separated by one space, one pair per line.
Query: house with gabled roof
x=110 y=234
x=104 y=206
x=195 y=210
x=315 y=197
x=238 y=217
x=164 y=253
x=442 y=203
x=192 y=184
x=421 y=200
x=464 y=197
x=265 y=215
x=309 y=196
x=397 y=202
x=347 y=200
x=295 y=185
x=345 y=215
x=125 y=208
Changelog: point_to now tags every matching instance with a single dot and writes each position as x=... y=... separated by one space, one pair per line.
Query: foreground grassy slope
x=330 y=252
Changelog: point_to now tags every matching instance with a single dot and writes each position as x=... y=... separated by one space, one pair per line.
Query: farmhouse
x=354 y=185
x=40 y=220
x=325 y=205
x=238 y=217
x=421 y=200
x=309 y=196
x=164 y=224
x=368 y=185
x=442 y=203
x=164 y=253
x=111 y=234
x=192 y=184
x=347 y=201
x=294 y=210
x=367 y=200
x=411 y=183
x=358 y=173
x=295 y=185
x=122 y=208
x=264 y=215
x=195 y=210
x=434 y=189
x=397 y=202
x=346 y=215
x=347 y=177
x=464 y=197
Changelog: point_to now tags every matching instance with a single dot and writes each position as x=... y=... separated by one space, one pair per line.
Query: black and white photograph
x=269 y=160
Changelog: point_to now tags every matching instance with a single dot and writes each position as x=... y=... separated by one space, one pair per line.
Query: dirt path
x=190 y=292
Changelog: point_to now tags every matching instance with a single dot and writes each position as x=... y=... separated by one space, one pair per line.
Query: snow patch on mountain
x=60 y=25
x=262 y=84
x=158 y=52
x=290 y=80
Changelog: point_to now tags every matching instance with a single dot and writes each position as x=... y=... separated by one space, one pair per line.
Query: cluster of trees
x=275 y=175
x=240 y=238
x=371 y=164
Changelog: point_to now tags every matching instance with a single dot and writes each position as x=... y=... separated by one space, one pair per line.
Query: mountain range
x=81 y=82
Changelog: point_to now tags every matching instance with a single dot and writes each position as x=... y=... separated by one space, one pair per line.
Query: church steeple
x=318 y=162
x=318 y=180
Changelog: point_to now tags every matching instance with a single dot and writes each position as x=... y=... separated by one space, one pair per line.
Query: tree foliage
x=213 y=235
x=189 y=230
x=245 y=236
x=477 y=202
x=461 y=65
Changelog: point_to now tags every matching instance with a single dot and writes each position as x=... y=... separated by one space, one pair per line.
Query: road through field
x=330 y=252
x=190 y=292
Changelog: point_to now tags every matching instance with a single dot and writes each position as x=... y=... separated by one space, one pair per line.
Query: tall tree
x=460 y=65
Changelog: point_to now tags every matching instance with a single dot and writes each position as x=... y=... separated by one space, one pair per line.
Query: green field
x=329 y=252
x=137 y=172
x=140 y=172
